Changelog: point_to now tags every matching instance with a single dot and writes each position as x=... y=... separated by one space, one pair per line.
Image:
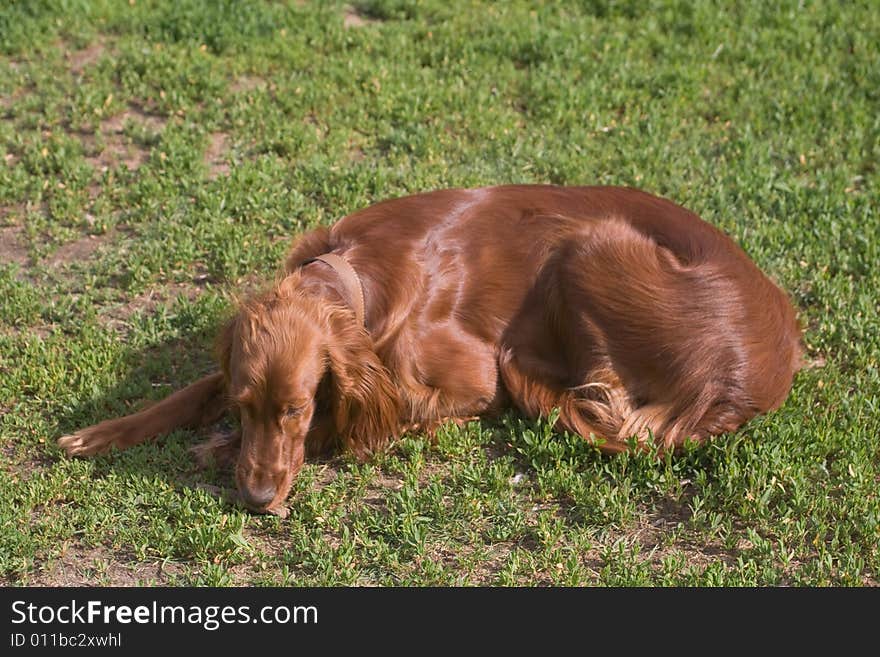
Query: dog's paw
x=281 y=511
x=87 y=442
x=220 y=450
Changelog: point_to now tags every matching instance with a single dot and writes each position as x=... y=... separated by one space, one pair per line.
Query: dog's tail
x=666 y=349
x=692 y=348
x=199 y=403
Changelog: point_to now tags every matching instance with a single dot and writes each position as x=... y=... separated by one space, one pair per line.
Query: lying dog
x=627 y=313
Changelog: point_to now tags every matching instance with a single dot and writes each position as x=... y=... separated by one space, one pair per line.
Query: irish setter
x=627 y=313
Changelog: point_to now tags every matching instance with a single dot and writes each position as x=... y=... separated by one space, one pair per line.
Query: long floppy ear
x=366 y=406
x=223 y=345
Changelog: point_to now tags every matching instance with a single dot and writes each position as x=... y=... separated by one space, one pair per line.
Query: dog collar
x=350 y=280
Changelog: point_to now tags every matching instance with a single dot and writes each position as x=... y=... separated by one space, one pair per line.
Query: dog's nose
x=259 y=498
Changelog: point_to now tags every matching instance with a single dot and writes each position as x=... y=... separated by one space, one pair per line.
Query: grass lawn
x=157 y=156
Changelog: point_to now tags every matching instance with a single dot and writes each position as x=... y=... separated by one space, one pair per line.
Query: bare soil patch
x=667 y=517
x=8 y=100
x=79 y=60
x=76 y=251
x=245 y=83
x=352 y=18
x=118 y=147
x=117 y=315
x=378 y=490
x=90 y=566
x=12 y=248
x=215 y=155
x=22 y=462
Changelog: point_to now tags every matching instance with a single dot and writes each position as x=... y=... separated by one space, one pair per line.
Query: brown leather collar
x=350 y=280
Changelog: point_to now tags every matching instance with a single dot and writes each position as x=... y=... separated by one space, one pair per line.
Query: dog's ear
x=365 y=403
x=223 y=345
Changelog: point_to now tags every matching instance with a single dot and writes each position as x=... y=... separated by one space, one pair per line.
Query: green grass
x=156 y=157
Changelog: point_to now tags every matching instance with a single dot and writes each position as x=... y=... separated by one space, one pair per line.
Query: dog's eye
x=294 y=411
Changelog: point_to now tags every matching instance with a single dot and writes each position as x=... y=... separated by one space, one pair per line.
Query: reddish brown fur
x=626 y=312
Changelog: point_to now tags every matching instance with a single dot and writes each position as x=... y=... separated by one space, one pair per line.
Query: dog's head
x=300 y=370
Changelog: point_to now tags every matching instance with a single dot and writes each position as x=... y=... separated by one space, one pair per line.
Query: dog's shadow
x=145 y=376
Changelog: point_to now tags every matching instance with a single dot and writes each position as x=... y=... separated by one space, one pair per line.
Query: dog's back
x=585 y=286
